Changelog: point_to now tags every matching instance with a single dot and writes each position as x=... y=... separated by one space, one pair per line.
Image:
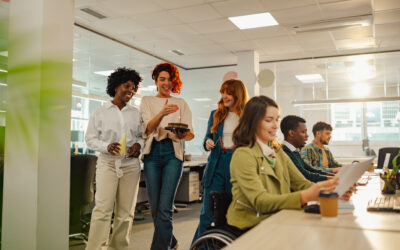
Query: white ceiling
x=200 y=28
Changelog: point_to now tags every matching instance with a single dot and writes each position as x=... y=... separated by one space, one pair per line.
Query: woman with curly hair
x=163 y=150
x=118 y=169
x=218 y=139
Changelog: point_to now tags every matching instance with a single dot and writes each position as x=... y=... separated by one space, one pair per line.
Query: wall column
x=248 y=66
x=37 y=142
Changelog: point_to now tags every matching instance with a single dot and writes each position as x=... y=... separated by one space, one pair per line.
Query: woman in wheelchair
x=264 y=179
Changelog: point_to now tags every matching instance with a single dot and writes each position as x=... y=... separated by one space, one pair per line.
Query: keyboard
x=385 y=204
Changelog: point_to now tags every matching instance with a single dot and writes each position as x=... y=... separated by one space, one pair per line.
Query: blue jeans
x=162 y=171
x=220 y=183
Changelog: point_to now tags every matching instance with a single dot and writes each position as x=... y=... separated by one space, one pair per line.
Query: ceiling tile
x=387 y=30
x=355 y=44
x=222 y=37
x=213 y=26
x=357 y=32
x=346 y=9
x=390 y=16
x=292 y=17
x=271 y=31
x=316 y=40
x=386 y=4
x=286 y=4
x=195 y=13
x=175 y=4
x=243 y=45
x=239 y=7
x=121 y=25
x=129 y=7
x=156 y=19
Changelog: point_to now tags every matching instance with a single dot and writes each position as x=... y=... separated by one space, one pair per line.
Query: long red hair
x=237 y=89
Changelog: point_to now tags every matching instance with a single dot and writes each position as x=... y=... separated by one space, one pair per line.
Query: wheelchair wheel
x=213 y=239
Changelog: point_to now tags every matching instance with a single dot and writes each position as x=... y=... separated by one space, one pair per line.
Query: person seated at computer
x=117 y=176
x=264 y=179
x=316 y=154
x=295 y=133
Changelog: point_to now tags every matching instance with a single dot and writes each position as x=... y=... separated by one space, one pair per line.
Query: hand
x=179 y=133
x=311 y=193
x=347 y=195
x=134 y=151
x=335 y=170
x=210 y=144
x=114 y=148
x=169 y=109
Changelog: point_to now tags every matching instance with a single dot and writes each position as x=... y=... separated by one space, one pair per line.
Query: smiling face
x=228 y=100
x=164 y=84
x=125 y=91
x=269 y=124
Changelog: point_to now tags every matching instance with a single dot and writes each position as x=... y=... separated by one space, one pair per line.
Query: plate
x=178 y=128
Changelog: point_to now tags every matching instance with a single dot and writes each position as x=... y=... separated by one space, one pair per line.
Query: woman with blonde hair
x=218 y=139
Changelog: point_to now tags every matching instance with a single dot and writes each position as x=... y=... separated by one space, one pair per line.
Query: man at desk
x=316 y=153
x=295 y=132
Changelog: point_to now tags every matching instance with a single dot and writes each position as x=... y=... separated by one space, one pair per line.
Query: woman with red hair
x=163 y=150
x=218 y=139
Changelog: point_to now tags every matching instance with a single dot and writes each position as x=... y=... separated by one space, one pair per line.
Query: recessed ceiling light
x=310 y=78
x=253 y=21
x=104 y=73
x=204 y=99
x=3 y=70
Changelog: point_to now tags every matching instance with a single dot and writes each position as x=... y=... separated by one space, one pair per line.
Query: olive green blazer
x=258 y=190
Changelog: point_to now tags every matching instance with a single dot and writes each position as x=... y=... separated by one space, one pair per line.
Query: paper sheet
x=349 y=174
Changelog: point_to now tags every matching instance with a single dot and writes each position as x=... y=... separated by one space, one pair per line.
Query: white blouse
x=150 y=107
x=107 y=125
x=230 y=123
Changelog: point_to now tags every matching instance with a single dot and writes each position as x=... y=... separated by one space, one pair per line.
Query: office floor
x=185 y=223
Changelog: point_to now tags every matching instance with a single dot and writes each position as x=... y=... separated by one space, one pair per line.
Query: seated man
x=316 y=154
x=295 y=132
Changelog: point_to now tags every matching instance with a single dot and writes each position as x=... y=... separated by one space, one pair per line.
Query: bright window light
x=361 y=71
x=204 y=99
x=104 y=73
x=148 y=88
x=253 y=21
x=361 y=90
x=310 y=78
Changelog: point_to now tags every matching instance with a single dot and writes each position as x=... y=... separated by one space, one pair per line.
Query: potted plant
x=389 y=177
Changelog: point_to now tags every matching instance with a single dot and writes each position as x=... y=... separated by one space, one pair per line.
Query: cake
x=177 y=125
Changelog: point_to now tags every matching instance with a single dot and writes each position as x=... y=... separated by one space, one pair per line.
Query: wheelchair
x=219 y=233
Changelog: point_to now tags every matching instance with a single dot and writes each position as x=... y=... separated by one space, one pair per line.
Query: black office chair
x=83 y=169
x=393 y=151
x=219 y=234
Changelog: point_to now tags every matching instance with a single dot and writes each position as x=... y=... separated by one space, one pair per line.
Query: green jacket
x=258 y=190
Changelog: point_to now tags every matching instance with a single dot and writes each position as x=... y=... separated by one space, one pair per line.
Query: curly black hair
x=120 y=76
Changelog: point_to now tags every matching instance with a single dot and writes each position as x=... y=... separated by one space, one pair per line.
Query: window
x=382 y=121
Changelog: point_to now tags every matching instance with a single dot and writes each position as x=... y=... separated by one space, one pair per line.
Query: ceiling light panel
x=254 y=21
x=310 y=78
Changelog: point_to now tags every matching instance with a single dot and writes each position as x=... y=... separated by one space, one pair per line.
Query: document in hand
x=349 y=174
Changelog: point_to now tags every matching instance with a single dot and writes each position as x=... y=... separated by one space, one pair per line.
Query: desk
x=352 y=229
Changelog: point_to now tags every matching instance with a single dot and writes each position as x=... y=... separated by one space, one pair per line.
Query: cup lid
x=327 y=194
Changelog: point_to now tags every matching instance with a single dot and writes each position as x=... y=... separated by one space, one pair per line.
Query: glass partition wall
x=328 y=89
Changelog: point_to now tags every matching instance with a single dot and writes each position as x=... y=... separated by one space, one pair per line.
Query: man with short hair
x=316 y=153
x=295 y=132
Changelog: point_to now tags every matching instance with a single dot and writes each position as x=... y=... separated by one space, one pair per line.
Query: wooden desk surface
x=352 y=229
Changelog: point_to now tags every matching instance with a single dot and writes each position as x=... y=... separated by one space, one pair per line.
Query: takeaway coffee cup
x=328 y=203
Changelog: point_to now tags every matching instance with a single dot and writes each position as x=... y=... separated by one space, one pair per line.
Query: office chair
x=83 y=169
x=393 y=151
